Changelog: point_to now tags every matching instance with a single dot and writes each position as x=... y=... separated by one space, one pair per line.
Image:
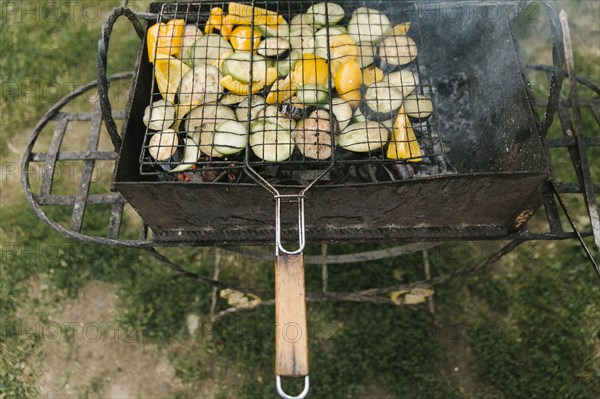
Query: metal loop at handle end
x=284 y=395
x=301 y=233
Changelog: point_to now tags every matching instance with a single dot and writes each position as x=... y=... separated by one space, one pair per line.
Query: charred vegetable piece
x=395 y=51
x=368 y=25
x=274 y=47
x=404 y=144
x=418 y=106
x=164 y=146
x=200 y=85
x=256 y=105
x=294 y=109
x=313 y=135
x=270 y=142
x=230 y=137
x=325 y=13
x=244 y=38
x=159 y=115
x=363 y=137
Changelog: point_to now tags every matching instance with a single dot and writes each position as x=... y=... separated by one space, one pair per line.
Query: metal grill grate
x=202 y=116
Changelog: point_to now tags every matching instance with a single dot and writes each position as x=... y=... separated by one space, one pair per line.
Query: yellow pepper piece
x=165 y=39
x=401 y=29
x=168 y=73
x=348 y=77
x=241 y=88
x=218 y=20
x=343 y=48
x=241 y=14
x=243 y=38
x=372 y=74
x=310 y=69
x=282 y=90
x=404 y=144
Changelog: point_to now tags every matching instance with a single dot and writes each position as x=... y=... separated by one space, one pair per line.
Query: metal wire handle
x=285 y=395
x=103 y=42
x=301 y=227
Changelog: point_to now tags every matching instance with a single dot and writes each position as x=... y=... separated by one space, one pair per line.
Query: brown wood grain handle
x=291 y=339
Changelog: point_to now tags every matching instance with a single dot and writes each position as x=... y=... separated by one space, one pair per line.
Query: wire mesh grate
x=299 y=84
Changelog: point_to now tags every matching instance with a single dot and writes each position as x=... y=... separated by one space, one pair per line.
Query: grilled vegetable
x=342 y=48
x=279 y=30
x=358 y=116
x=368 y=25
x=348 y=80
x=294 y=109
x=272 y=114
x=282 y=91
x=207 y=49
x=241 y=14
x=404 y=80
x=270 y=142
x=274 y=47
x=285 y=66
x=200 y=85
x=164 y=146
x=204 y=138
x=210 y=113
x=256 y=105
x=312 y=94
x=159 y=115
x=395 y=51
x=302 y=39
x=299 y=20
x=363 y=137
x=365 y=53
x=372 y=74
x=342 y=112
x=168 y=73
x=325 y=13
x=218 y=20
x=418 y=106
x=165 y=39
x=310 y=69
x=313 y=135
x=231 y=99
x=244 y=38
x=236 y=87
x=381 y=101
x=191 y=155
x=238 y=65
x=191 y=33
x=229 y=137
x=404 y=144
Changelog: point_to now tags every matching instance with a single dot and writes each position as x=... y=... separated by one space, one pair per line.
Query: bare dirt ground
x=93 y=355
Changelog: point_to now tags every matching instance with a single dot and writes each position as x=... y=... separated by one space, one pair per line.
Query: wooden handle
x=291 y=338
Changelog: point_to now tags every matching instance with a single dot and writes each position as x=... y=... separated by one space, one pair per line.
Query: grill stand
x=290 y=264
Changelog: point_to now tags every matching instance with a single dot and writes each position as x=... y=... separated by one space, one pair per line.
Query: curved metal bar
x=284 y=395
x=51 y=113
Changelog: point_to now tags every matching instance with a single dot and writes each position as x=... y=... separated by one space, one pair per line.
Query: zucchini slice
x=210 y=113
x=395 y=51
x=342 y=111
x=272 y=114
x=418 y=106
x=256 y=105
x=363 y=137
x=200 y=85
x=232 y=99
x=403 y=80
x=313 y=135
x=312 y=94
x=204 y=138
x=191 y=33
x=238 y=65
x=366 y=54
x=301 y=20
x=368 y=25
x=270 y=142
x=302 y=39
x=206 y=50
x=321 y=40
x=279 y=30
x=230 y=137
x=274 y=47
x=358 y=116
x=325 y=13
x=381 y=101
x=159 y=115
x=164 y=145
x=284 y=67
x=191 y=154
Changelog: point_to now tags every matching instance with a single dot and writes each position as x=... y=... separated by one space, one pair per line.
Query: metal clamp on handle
x=301 y=233
x=284 y=395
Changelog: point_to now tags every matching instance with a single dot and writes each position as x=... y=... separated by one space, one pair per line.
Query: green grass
x=525 y=328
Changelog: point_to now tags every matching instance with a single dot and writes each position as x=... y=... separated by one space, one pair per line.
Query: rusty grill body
x=484 y=185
